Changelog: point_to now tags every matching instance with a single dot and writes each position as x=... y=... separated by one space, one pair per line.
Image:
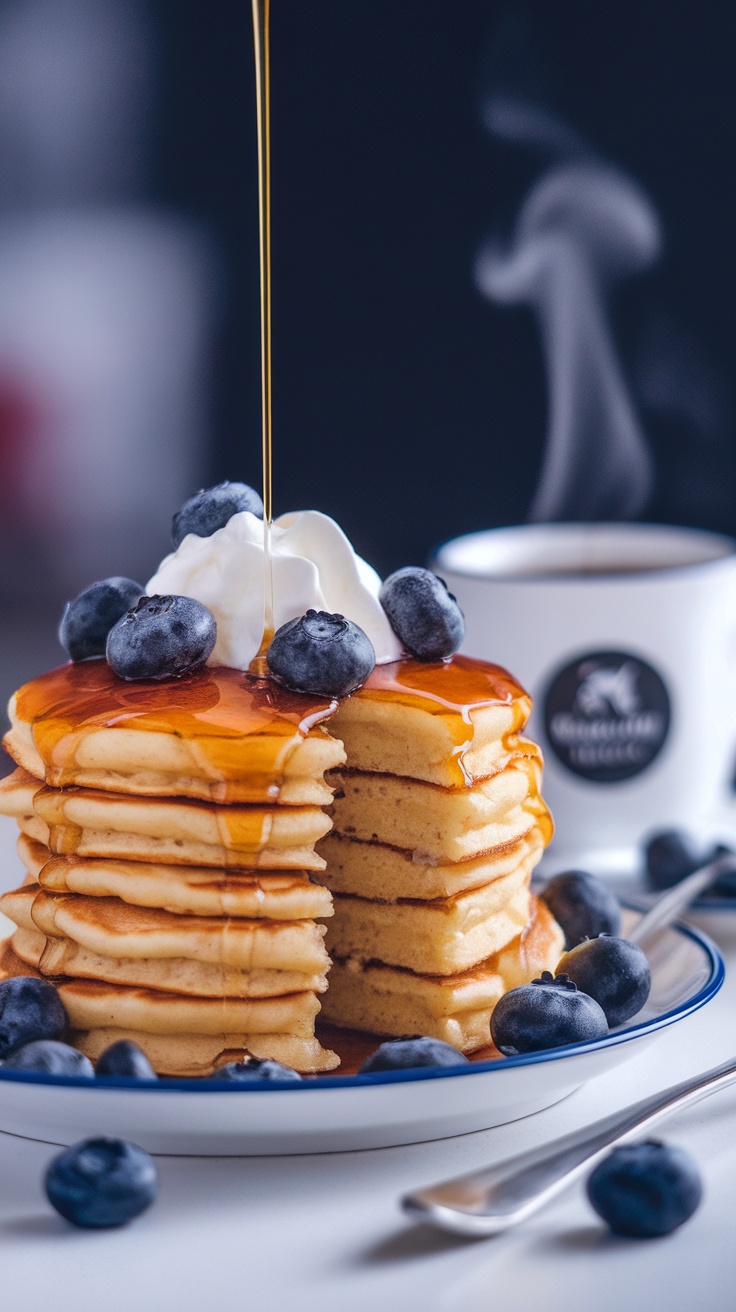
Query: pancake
x=93 y=1005
x=432 y=938
x=64 y=956
x=57 y=957
x=373 y=870
x=33 y=854
x=17 y=904
x=115 y=929
x=218 y=735
x=17 y=791
x=439 y=825
x=28 y=945
x=449 y=723
x=387 y=1001
x=91 y=823
x=185 y=890
x=200 y=1054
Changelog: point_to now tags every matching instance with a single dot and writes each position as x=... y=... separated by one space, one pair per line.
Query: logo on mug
x=607 y=715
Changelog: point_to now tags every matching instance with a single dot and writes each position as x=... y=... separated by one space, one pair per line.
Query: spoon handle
x=668 y=906
x=499 y=1197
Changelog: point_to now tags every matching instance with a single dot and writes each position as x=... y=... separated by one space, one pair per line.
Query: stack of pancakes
x=168 y=832
x=169 y=829
x=438 y=823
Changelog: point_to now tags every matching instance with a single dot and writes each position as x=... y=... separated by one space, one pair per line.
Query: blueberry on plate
x=88 y=619
x=548 y=1013
x=671 y=855
x=125 y=1058
x=30 y=1009
x=614 y=972
x=212 y=507
x=423 y=614
x=101 y=1182
x=405 y=1054
x=725 y=883
x=322 y=654
x=645 y=1189
x=582 y=905
x=162 y=638
x=256 y=1071
x=51 y=1057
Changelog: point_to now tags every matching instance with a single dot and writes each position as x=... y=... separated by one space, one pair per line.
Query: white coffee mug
x=625 y=635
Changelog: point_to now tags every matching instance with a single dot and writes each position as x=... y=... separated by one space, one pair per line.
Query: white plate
x=334 y=1113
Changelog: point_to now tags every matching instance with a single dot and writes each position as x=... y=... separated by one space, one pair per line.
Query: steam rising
x=583 y=226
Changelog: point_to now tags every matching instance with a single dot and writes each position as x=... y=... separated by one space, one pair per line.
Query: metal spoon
x=498 y=1197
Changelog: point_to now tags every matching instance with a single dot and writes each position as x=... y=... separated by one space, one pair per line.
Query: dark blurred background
x=413 y=400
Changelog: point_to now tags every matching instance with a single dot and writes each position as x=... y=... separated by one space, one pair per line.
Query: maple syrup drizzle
x=261 y=46
x=243 y=728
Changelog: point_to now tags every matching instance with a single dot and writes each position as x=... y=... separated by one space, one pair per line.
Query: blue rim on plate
x=315 y=1083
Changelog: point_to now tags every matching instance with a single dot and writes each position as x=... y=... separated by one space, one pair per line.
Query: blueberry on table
x=212 y=507
x=614 y=972
x=50 y=1057
x=162 y=638
x=548 y=1013
x=101 y=1182
x=125 y=1058
x=423 y=614
x=256 y=1072
x=30 y=1009
x=405 y=1054
x=645 y=1189
x=582 y=905
x=88 y=619
x=322 y=654
x=671 y=855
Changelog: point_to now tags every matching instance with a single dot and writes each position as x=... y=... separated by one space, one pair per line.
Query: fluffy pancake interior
x=373 y=870
x=389 y=1001
x=439 y=824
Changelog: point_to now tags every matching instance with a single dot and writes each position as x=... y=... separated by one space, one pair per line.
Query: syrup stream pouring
x=494 y=1199
x=261 y=47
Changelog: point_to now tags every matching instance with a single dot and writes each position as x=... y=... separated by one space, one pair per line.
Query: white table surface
x=319 y=1233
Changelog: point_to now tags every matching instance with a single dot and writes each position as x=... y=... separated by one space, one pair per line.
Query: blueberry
x=645 y=1189
x=125 y=1058
x=404 y=1054
x=30 y=1008
x=162 y=638
x=670 y=856
x=422 y=613
x=50 y=1056
x=101 y=1182
x=256 y=1072
x=212 y=507
x=582 y=905
x=614 y=972
x=548 y=1013
x=320 y=653
x=88 y=619
x=726 y=883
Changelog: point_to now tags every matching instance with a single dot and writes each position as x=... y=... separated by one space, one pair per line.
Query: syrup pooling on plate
x=242 y=727
x=453 y=690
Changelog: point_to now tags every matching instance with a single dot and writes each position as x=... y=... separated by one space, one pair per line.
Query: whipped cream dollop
x=314 y=567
